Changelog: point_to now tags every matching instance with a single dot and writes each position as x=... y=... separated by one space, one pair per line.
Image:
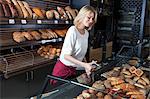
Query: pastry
x=132 y=69
x=138 y=72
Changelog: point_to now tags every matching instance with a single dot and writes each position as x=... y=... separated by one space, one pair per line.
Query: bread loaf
x=50 y=14
x=1 y=10
x=56 y=14
x=18 y=37
x=38 y=12
x=20 y=13
x=61 y=33
x=72 y=11
x=13 y=9
x=44 y=34
x=26 y=5
x=69 y=15
x=6 y=9
x=27 y=35
x=36 y=35
x=25 y=12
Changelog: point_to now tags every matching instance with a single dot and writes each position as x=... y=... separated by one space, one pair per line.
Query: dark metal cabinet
x=24 y=85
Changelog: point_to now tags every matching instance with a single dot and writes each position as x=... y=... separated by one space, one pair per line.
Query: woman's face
x=88 y=19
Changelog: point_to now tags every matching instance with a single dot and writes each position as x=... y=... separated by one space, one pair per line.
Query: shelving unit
x=14 y=61
x=130 y=25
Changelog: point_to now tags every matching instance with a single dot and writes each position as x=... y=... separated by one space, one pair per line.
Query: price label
x=67 y=22
x=39 y=22
x=56 y=21
x=11 y=21
x=59 y=39
x=24 y=21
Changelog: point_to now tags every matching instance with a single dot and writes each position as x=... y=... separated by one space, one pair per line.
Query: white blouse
x=75 y=44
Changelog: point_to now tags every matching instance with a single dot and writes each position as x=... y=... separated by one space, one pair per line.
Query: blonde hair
x=81 y=15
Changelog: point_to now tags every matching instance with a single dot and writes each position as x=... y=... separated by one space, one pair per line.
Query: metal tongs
x=96 y=67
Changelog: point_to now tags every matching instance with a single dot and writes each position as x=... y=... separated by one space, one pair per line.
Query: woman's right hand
x=88 y=68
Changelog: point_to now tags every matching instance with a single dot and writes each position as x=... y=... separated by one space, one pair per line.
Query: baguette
x=20 y=13
x=1 y=11
x=26 y=5
x=25 y=12
x=141 y=81
x=6 y=9
x=12 y=9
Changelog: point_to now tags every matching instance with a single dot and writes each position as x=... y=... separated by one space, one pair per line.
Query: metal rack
x=21 y=61
x=12 y=63
x=130 y=23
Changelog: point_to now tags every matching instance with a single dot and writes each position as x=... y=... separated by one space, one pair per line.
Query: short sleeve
x=69 y=41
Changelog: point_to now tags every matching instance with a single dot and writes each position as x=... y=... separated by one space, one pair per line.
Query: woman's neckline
x=80 y=32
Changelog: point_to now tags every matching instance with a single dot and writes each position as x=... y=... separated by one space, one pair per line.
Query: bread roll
x=133 y=62
x=20 y=13
x=26 y=5
x=38 y=12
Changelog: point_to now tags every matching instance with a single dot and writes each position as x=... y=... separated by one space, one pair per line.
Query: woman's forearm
x=73 y=60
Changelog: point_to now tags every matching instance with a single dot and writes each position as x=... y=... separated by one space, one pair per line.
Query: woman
x=75 y=45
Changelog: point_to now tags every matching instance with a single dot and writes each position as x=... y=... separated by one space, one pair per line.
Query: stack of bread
x=49 y=51
x=34 y=35
x=21 y=9
x=127 y=80
x=66 y=13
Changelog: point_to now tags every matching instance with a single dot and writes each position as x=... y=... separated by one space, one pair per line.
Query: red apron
x=62 y=71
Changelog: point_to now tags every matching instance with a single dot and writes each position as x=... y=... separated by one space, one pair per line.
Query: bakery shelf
x=21 y=21
x=9 y=44
x=21 y=61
